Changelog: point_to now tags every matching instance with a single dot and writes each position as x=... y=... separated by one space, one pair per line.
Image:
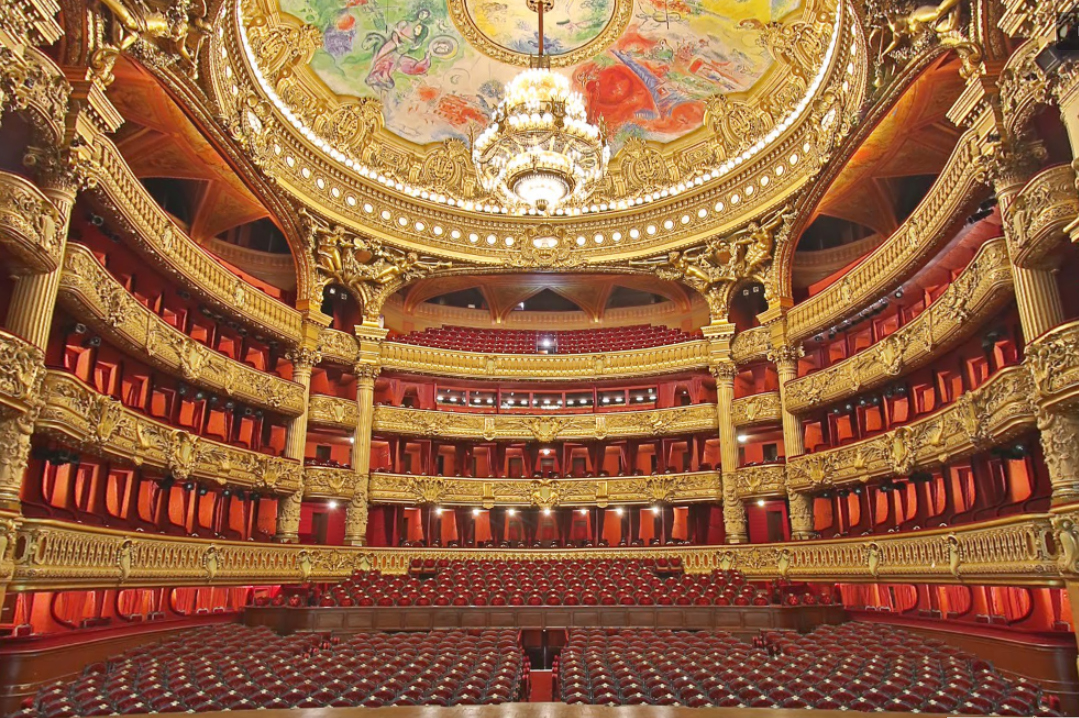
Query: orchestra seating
x=526 y=341
x=853 y=666
x=229 y=667
x=643 y=582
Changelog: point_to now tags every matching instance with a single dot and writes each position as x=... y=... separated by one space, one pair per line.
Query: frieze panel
x=96 y=423
x=491 y=427
x=124 y=200
x=757 y=409
x=641 y=362
x=1039 y=215
x=954 y=194
x=91 y=293
x=978 y=420
x=332 y=411
x=1035 y=550
x=978 y=292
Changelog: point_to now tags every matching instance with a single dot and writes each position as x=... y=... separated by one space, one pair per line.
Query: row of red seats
x=854 y=666
x=521 y=341
x=233 y=667
x=545 y=583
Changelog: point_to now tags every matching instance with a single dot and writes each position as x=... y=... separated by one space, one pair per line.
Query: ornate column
x=1036 y=292
x=367 y=370
x=734 y=512
x=800 y=506
x=303 y=358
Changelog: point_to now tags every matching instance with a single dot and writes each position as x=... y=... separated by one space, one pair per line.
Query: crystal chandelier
x=539 y=150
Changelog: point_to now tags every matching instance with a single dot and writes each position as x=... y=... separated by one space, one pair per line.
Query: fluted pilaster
x=734 y=512
x=303 y=359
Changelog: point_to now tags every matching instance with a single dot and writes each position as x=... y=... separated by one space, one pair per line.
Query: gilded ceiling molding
x=122 y=198
x=90 y=293
x=30 y=226
x=21 y=373
x=978 y=420
x=1041 y=216
x=54 y=555
x=976 y=294
x=763 y=408
x=544 y=428
x=955 y=193
x=418 y=223
x=668 y=359
x=544 y=493
x=76 y=415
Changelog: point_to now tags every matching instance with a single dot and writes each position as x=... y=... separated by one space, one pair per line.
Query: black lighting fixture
x=1064 y=49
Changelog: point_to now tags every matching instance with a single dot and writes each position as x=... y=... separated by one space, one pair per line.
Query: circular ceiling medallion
x=573 y=31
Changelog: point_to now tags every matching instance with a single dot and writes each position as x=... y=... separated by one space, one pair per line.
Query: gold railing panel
x=1054 y=362
x=30 y=225
x=21 y=370
x=91 y=293
x=99 y=424
x=763 y=408
x=758 y=482
x=332 y=411
x=955 y=192
x=977 y=420
x=751 y=345
x=163 y=242
x=1039 y=215
x=1021 y=550
x=979 y=291
x=547 y=427
x=325 y=482
x=639 y=362
x=544 y=493
x=338 y=347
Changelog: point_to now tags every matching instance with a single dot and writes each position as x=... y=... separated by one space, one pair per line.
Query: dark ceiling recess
x=830 y=232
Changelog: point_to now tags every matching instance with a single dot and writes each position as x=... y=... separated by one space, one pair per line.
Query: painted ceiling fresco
x=650 y=81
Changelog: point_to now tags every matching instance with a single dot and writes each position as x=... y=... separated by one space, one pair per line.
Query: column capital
x=303 y=358
x=724 y=371
x=786 y=354
x=366 y=372
x=1012 y=161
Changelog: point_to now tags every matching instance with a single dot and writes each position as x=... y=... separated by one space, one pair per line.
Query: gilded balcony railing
x=547 y=427
x=977 y=293
x=976 y=421
x=21 y=370
x=92 y=294
x=953 y=195
x=758 y=482
x=332 y=411
x=96 y=423
x=1021 y=550
x=763 y=408
x=1039 y=216
x=125 y=200
x=30 y=225
x=1053 y=359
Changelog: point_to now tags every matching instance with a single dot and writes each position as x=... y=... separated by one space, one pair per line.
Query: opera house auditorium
x=539 y=358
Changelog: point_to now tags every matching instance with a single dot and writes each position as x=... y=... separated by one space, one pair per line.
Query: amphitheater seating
x=854 y=666
x=521 y=341
x=545 y=583
x=237 y=668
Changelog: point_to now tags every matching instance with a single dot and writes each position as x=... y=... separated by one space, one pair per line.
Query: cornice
x=979 y=291
x=669 y=359
x=30 y=226
x=702 y=486
x=92 y=294
x=955 y=193
x=21 y=372
x=763 y=408
x=978 y=420
x=547 y=427
x=1040 y=215
x=119 y=195
x=391 y=215
x=77 y=415
x=1019 y=550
